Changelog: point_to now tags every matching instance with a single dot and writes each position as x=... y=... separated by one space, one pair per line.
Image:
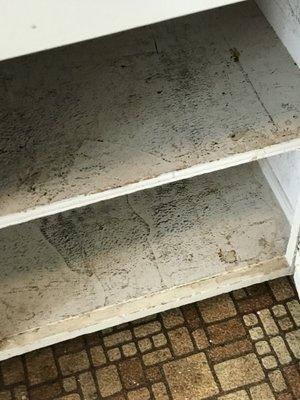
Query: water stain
x=228 y=256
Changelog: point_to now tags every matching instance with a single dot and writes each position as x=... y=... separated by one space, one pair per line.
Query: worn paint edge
x=143 y=306
x=294 y=235
x=165 y=178
x=297 y=271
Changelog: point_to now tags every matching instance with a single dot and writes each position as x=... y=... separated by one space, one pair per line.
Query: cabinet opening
x=121 y=259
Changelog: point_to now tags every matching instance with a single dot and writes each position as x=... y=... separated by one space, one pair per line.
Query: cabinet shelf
x=118 y=260
x=142 y=108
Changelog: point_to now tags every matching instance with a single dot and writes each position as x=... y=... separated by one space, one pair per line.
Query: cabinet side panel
x=284 y=16
x=297 y=272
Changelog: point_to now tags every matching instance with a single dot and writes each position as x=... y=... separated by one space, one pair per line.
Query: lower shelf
x=87 y=269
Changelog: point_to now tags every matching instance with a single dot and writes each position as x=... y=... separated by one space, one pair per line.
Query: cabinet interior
x=129 y=180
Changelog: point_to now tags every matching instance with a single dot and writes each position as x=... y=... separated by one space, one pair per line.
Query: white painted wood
x=94 y=267
x=286 y=167
x=105 y=317
x=284 y=16
x=294 y=235
x=143 y=108
x=35 y=25
x=283 y=174
x=297 y=271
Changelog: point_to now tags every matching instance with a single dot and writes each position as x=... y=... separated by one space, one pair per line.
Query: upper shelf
x=142 y=108
x=37 y=25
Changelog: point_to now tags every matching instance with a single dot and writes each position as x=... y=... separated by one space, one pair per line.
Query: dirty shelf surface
x=100 y=265
x=108 y=117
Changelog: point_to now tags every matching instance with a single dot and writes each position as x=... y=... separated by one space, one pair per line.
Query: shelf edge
x=143 y=306
x=165 y=178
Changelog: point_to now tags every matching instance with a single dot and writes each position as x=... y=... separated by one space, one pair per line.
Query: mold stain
x=235 y=54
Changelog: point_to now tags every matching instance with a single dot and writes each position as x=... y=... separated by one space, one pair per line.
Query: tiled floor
x=239 y=346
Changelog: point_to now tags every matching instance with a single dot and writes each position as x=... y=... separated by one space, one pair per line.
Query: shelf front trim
x=143 y=306
x=169 y=177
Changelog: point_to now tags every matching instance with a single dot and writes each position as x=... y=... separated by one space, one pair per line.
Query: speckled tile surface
x=244 y=345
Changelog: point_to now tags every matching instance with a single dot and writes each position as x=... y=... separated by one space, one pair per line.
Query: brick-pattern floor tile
x=285 y=323
x=262 y=392
x=117 y=338
x=159 y=391
x=69 y=346
x=294 y=309
x=242 y=345
x=285 y=396
x=74 y=362
x=147 y=329
x=157 y=356
x=129 y=349
x=172 y=318
x=217 y=308
x=279 y=310
x=256 y=333
x=268 y=322
x=239 y=294
x=250 y=319
x=154 y=374
x=251 y=304
x=269 y=362
x=114 y=354
x=292 y=376
x=281 y=350
x=41 y=366
x=12 y=371
x=139 y=394
x=46 y=392
x=132 y=373
x=159 y=340
x=108 y=380
x=181 y=341
x=5 y=395
x=293 y=340
x=21 y=392
x=239 y=372
x=277 y=380
x=282 y=289
x=200 y=339
x=240 y=395
x=234 y=349
x=145 y=345
x=98 y=356
x=88 y=387
x=262 y=347
x=190 y=378
x=191 y=316
x=70 y=384
x=223 y=332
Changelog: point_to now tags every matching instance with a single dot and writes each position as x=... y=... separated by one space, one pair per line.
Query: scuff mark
x=145 y=223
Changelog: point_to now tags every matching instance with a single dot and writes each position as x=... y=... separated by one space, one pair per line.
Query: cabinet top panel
x=34 y=25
